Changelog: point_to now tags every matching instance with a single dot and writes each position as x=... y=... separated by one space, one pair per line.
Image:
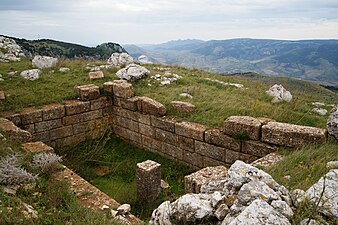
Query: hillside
x=314 y=60
x=61 y=49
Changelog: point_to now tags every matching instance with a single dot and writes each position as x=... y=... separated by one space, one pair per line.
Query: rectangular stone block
x=165 y=123
x=117 y=101
x=190 y=130
x=61 y=132
x=53 y=111
x=71 y=141
x=146 y=130
x=257 y=148
x=187 y=144
x=145 y=119
x=83 y=127
x=29 y=127
x=47 y=125
x=247 y=158
x=194 y=181
x=134 y=136
x=75 y=107
x=31 y=115
x=244 y=126
x=150 y=106
x=172 y=151
x=94 y=75
x=208 y=162
x=151 y=143
x=166 y=136
x=122 y=89
x=127 y=123
x=217 y=137
x=107 y=111
x=129 y=103
x=231 y=156
x=87 y=92
x=193 y=159
x=108 y=86
x=292 y=135
x=43 y=136
x=100 y=103
x=209 y=150
x=91 y=115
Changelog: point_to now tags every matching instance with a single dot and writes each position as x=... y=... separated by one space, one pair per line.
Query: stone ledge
x=14 y=132
x=150 y=106
x=190 y=130
x=292 y=135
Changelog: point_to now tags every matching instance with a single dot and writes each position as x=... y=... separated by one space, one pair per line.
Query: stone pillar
x=148 y=181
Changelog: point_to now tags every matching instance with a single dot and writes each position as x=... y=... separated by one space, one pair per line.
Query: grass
x=53 y=200
x=214 y=102
x=120 y=183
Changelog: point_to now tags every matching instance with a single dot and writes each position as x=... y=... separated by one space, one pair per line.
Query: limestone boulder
x=143 y=59
x=320 y=111
x=44 y=62
x=32 y=74
x=120 y=59
x=132 y=72
x=12 y=50
x=161 y=215
x=279 y=94
x=332 y=122
x=324 y=193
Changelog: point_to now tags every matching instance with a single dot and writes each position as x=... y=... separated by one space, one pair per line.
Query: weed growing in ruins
x=46 y=162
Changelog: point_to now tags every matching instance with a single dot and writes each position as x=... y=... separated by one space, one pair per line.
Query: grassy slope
x=214 y=102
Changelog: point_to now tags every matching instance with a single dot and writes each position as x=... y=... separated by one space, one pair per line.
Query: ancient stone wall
x=143 y=122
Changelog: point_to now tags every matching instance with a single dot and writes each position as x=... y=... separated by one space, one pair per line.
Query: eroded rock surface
x=279 y=94
x=332 y=122
x=132 y=72
x=120 y=59
x=44 y=62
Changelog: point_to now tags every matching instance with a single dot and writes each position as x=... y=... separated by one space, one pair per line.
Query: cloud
x=148 y=21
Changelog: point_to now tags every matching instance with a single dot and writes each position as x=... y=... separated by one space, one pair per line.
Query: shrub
x=46 y=162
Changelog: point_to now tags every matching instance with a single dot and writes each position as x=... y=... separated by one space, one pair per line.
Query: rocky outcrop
x=120 y=59
x=143 y=59
x=279 y=94
x=32 y=74
x=320 y=111
x=246 y=195
x=44 y=62
x=332 y=122
x=132 y=72
x=9 y=50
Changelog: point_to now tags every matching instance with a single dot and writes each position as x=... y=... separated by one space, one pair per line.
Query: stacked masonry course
x=143 y=122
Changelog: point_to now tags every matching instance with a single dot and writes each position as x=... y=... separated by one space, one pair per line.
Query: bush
x=46 y=162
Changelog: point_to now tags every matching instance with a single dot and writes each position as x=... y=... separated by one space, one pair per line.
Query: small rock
x=44 y=62
x=185 y=95
x=29 y=212
x=287 y=177
x=11 y=189
x=165 y=83
x=104 y=207
x=279 y=94
x=332 y=122
x=164 y=185
x=332 y=165
x=318 y=104
x=12 y=73
x=124 y=209
x=132 y=72
x=283 y=208
x=102 y=170
x=64 y=69
x=297 y=196
x=32 y=74
x=221 y=211
x=320 y=111
x=95 y=75
x=114 y=213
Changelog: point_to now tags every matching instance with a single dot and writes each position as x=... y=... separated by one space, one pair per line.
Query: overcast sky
x=91 y=22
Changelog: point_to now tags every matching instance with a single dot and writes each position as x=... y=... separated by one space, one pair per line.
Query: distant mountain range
x=315 y=60
x=60 y=49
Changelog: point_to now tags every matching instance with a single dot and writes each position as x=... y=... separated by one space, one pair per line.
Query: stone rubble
x=64 y=69
x=132 y=72
x=279 y=94
x=12 y=51
x=332 y=122
x=164 y=79
x=225 y=83
x=32 y=74
x=44 y=62
x=332 y=165
x=186 y=95
x=120 y=59
x=320 y=111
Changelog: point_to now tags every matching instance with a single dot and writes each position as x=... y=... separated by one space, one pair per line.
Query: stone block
x=209 y=150
x=148 y=181
x=122 y=89
x=151 y=143
x=14 y=132
x=107 y=111
x=71 y=140
x=257 y=148
x=247 y=158
x=292 y=135
x=146 y=130
x=14 y=117
x=31 y=115
x=95 y=75
x=165 y=123
x=88 y=92
x=194 y=181
x=217 y=137
x=61 y=132
x=127 y=123
x=150 y=106
x=190 y=130
x=83 y=127
x=183 y=107
x=108 y=86
x=29 y=127
x=53 y=111
x=47 y=125
x=193 y=159
x=100 y=103
x=171 y=150
x=91 y=115
x=208 y=162
x=187 y=144
x=75 y=107
x=117 y=101
x=128 y=135
x=129 y=103
x=43 y=136
x=166 y=136
x=231 y=156
x=142 y=118
x=243 y=125
x=36 y=147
